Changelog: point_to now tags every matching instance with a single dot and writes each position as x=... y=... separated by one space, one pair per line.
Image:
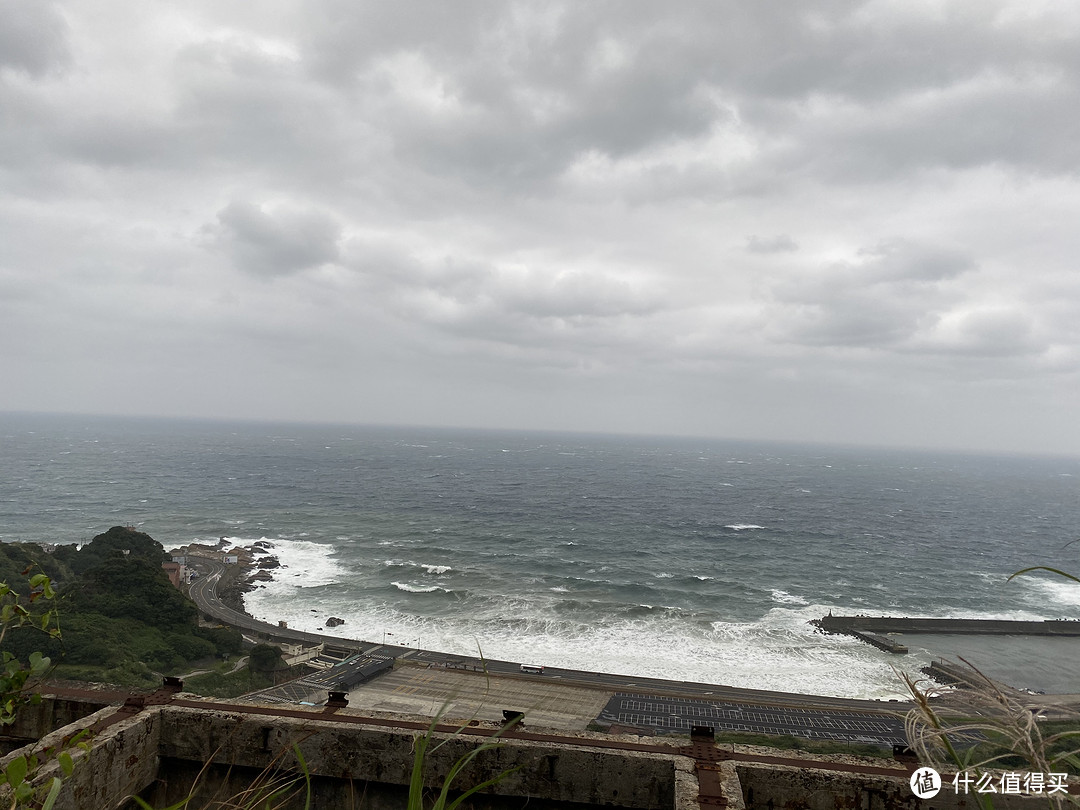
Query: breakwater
x=857 y=625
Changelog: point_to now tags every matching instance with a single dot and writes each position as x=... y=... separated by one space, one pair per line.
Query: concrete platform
x=463 y=695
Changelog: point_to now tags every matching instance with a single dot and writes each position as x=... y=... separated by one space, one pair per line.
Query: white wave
x=436 y=569
x=743 y=527
x=559 y=589
x=1053 y=594
x=664 y=575
x=780 y=651
x=702 y=578
x=304 y=564
x=405 y=586
x=785 y=598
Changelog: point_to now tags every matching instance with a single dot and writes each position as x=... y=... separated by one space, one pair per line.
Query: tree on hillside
x=132 y=588
x=265 y=658
x=17 y=559
x=118 y=542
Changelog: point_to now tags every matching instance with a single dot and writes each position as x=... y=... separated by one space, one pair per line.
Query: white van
x=532 y=669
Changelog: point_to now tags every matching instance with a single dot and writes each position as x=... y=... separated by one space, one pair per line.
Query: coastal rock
x=268 y=562
x=334 y=621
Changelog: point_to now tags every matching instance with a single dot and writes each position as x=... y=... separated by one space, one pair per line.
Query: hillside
x=121 y=619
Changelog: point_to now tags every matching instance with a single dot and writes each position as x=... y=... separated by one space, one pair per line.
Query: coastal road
x=813 y=716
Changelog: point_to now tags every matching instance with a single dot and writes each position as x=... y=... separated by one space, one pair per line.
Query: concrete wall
x=160 y=751
x=367 y=756
x=122 y=760
x=35 y=721
x=163 y=751
x=776 y=787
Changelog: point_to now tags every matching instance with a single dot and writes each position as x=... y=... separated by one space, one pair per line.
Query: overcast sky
x=826 y=221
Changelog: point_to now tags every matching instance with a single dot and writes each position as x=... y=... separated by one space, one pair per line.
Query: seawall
x=852 y=625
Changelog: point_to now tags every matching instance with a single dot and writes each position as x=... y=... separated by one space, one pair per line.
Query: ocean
x=693 y=559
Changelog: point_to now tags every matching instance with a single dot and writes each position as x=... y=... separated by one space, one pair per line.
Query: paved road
x=809 y=715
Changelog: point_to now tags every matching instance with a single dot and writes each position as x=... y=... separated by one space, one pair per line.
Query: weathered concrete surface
x=361 y=754
x=462 y=695
x=122 y=760
x=163 y=750
x=731 y=785
x=881 y=642
x=776 y=787
x=35 y=721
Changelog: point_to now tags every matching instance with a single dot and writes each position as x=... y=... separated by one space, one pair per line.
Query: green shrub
x=226 y=640
x=190 y=647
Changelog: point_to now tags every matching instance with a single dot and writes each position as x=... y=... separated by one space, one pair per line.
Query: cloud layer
x=842 y=221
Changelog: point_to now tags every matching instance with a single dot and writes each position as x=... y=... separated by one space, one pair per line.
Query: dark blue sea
x=698 y=559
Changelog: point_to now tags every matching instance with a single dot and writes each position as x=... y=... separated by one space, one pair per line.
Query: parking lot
x=463 y=695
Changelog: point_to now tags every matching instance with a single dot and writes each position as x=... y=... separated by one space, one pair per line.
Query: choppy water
x=692 y=559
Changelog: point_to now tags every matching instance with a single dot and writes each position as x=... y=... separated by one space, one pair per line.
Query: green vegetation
x=423 y=745
x=275 y=787
x=28 y=605
x=124 y=622
x=226 y=684
x=265 y=658
x=23 y=610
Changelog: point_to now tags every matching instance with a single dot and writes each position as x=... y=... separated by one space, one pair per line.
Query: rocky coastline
x=246 y=567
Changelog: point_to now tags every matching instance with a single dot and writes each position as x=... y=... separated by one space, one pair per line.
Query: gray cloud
x=739 y=213
x=884 y=296
x=33 y=38
x=986 y=332
x=771 y=244
x=277 y=242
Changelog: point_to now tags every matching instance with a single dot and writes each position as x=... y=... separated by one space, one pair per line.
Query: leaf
x=492 y=781
x=54 y=793
x=307 y=775
x=39 y=663
x=66 y=763
x=16 y=771
x=1043 y=568
x=23 y=793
